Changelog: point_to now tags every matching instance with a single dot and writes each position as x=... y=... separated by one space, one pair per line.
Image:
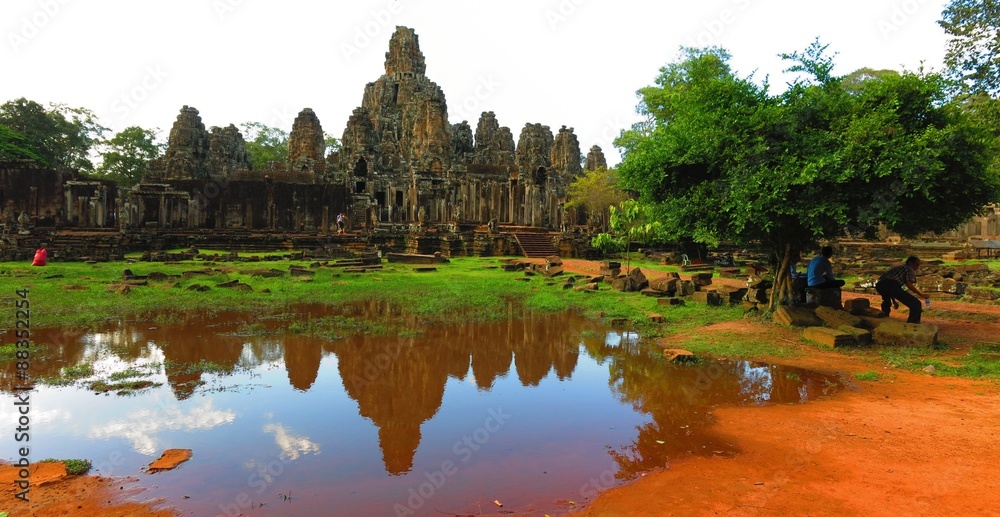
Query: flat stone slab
x=832 y=338
x=862 y=337
x=913 y=335
x=678 y=355
x=413 y=258
x=857 y=306
x=656 y=318
x=670 y=301
x=796 y=317
x=707 y=298
x=837 y=317
x=170 y=459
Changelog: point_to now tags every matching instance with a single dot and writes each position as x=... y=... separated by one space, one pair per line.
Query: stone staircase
x=535 y=244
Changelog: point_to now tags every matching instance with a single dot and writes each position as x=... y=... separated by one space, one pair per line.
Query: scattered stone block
x=666 y=285
x=832 y=338
x=759 y=295
x=170 y=459
x=824 y=297
x=897 y=333
x=707 y=298
x=687 y=288
x=678 y=355
x=796 y=317
x=266 y=273
x=836 y=317
x=649 y=291
x=857 y=306
x=657 y=318
x=701 y=279
x=231 y=283
x=670 y=301
x=592 y=286
x=862 y=337
x=552 y=270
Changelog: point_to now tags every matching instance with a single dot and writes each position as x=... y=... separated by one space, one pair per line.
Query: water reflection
x=583 y=397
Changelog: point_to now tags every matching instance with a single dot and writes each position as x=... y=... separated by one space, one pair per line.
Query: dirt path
x=910 y=444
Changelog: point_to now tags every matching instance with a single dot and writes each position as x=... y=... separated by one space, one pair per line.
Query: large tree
x=973 y=55
x=60 y=136
x=265 y=144
x=595 y=192
x=726 y=161
x=126 y=155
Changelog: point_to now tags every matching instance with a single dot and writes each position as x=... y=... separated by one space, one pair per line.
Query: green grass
x=121 y=388
x=738 y=346
x=982 y=361
x=870 y=375
x=74 y=467
x=78 y=371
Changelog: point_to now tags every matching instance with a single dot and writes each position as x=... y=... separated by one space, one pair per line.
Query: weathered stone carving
x=565 y=156
x=306 y=147
x=462 y=142
x=227 y=152
x=494 y=144
x=187 y=150
x=595 y=159
x=534 y=150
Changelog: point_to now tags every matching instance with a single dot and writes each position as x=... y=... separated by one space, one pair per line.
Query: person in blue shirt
x=820 y=272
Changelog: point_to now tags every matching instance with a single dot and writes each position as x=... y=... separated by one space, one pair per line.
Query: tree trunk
x=781 y=279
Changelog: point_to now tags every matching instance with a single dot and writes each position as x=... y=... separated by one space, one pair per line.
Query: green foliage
x=595 y=192
x=59 y=135
x=973 y=55
x=74 y=467
x=870 y=375
x=15 y=146
x=127 y=154
x=725 y=161
x=264 y=144
x=630 y=222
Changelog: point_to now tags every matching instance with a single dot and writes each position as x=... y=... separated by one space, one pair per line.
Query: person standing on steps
x=890 y=286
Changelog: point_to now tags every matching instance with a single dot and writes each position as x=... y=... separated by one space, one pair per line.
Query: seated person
x=820 y=272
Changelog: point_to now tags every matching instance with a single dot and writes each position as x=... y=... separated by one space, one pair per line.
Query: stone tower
x=566 y=156
x=595 y=159
x=227 y=152
x=187 y=150
x=306 y=147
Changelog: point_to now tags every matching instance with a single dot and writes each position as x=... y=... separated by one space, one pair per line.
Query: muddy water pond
x=367 y=412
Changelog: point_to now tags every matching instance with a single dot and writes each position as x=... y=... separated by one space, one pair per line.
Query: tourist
x=340 y=223
x=890 y=286
x=820 y=272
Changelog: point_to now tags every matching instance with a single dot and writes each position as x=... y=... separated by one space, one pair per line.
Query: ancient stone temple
x=403 y=171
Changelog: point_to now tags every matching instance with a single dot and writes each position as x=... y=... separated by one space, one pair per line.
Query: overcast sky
x=576 y=63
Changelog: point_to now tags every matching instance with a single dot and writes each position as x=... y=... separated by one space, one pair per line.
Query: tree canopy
x=126 y=155
x=57 y=136
x=595 y=192
x=973 y=54
x=723 y=160
x=265 y=144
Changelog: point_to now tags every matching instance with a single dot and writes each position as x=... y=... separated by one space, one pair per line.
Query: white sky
x=558 y=62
